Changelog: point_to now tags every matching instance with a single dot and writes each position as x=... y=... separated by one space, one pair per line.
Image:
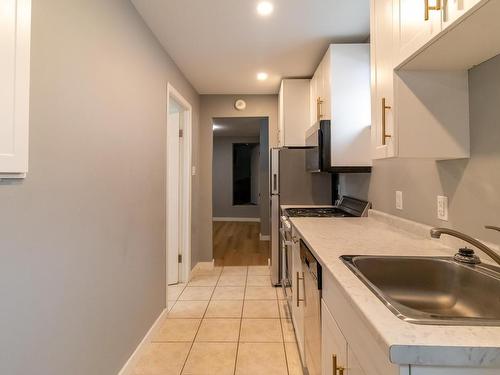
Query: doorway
x=178 y=188
x=240 y=191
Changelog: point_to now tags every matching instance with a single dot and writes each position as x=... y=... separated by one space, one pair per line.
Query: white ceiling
x=220 y=45
x=237 y=126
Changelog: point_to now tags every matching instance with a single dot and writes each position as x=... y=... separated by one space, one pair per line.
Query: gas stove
x=348 y=207
x=316 y=212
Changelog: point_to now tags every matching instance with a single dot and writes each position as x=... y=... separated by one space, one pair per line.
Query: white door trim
x=185 y=239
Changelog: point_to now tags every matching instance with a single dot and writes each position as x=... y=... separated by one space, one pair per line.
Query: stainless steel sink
x=432 y=290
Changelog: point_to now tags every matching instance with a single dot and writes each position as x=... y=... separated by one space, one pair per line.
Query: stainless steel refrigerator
x=291 y=184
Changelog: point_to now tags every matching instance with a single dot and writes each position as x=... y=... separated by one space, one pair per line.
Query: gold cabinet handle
x=429 y=8
x=319 y=104
x=298 y=288
x=385 y=107
x=336 y=369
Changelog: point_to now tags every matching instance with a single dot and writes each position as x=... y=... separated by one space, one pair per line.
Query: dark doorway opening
x=245 y=174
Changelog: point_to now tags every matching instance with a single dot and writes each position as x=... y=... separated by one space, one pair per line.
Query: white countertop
x=406 y=343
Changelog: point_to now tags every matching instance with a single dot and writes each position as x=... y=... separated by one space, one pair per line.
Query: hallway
x=238 y=244
x=227 y=320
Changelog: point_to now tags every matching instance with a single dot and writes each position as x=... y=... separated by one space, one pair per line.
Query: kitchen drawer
x=333 y=343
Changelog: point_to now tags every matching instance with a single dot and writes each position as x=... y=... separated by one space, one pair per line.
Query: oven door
x=286 y=253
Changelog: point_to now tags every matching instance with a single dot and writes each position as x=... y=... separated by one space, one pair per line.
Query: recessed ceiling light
x=262 y=76
x=265 y=8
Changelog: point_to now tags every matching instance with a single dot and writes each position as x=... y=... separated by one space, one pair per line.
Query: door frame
x=185 y=172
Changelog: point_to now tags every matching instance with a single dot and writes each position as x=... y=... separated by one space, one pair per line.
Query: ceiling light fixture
x=262 y=76
x=265 y=8
x=216 y=127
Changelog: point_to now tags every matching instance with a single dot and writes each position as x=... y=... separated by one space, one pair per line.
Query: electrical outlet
x=399 y=200
x=442 y=208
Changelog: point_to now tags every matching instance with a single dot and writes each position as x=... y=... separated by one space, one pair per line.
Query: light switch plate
x=399 y=200
x=193 y=171
x=442 y=208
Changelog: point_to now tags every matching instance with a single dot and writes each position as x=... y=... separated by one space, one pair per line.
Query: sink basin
x=432 y=290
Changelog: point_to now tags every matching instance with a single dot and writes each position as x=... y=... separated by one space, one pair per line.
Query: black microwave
x=319 y=151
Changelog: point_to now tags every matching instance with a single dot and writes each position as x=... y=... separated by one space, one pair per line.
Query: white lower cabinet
x=334 y=350
x=336 y=356
x=354 y=365
x=297 y=309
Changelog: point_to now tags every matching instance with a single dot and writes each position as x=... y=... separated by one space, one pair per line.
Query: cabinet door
x=414 y=26
x=293 y=112
x=382 y=82
x=281 y=116
x=353 y=366
x=298 y=293
x=333 y=344
x=326 y=86
x=313 y=99
x=453 y=9
x=15 y=18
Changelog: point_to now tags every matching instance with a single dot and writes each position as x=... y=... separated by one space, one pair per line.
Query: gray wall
x=472 y=185
x=214 y=106
x=222 y=192
x=82 y=239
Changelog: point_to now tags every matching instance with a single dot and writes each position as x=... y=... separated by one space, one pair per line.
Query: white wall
x=82 y=239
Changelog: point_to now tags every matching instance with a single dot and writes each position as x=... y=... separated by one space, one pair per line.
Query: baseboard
x=247 y=219
x=264 y=237
x=129 y=366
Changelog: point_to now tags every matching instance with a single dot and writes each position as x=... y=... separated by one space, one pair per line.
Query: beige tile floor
x=225 y=321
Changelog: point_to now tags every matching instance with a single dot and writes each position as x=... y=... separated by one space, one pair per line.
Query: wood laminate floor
x=238 y=244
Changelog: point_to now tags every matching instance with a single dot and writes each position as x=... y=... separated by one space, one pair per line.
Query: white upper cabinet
x=450 y=35
x=294 y=114
x=453 y=9
x=415 y=113
x=382 y=82
x=313 y=100
x=417 y=21
x=15 y=21
x=340 y=92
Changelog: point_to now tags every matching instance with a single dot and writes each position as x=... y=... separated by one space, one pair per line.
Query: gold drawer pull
x=319 y=108
x=336 y=369
x=385 y=107
x=429 y=8
x=298 y=288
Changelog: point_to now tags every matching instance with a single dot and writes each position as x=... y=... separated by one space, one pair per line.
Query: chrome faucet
x=466 y=255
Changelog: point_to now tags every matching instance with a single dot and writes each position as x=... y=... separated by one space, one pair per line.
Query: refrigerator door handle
x=275 y=182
